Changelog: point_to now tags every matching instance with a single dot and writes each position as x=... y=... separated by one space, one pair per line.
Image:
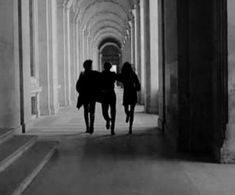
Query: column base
x=228 y=150
x=161 y=124
x=227 y=156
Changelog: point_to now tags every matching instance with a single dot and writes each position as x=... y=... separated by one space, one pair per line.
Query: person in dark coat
x=88 y=86
x=108 y=96
x=131 y=85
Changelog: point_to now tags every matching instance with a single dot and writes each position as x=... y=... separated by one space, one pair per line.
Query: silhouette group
x=94 y=86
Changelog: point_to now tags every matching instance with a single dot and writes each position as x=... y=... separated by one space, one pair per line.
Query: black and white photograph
x=117 y=97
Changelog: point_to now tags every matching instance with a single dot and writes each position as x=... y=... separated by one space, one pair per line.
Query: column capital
x=89 y=36
x=68 y=3
x=132 y=15
x=85 y=32
x=137 y=4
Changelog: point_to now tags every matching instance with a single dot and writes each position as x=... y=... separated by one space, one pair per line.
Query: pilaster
x=138 y=43
x=61 y=54
x=67 y=60
x=48 y=57
x=228 y=148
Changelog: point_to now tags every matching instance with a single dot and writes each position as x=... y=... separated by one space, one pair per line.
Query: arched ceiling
x=107 y=33
x=103 y=18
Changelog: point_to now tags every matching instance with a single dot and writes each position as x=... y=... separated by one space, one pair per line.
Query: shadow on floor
x=147 y=144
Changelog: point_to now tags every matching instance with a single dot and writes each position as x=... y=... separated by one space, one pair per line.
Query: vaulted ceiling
x=103 y=19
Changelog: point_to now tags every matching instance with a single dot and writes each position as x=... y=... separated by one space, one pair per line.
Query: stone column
x=11 y=66
x=100 y=61
x=84 y=38
x=48 y=56
x=89 y=41
x=126 y=53
x=52 y=60
x=72 y=54
x=77 y=49
x=88 y=45
x=80 y=47
x=67 y=61
x=145 y=54
x=153 y=73
x=138 y=43
x=132 y=36
x=96 y=58
x=43 y=58
x=161 y=71
x=228 y=149
x=61 y=54
x=142 y=53
x=120 y=60
x=35 y=43
x=34 y=58
x=25 y=75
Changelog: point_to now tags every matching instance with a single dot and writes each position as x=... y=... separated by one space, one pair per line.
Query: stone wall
x=193 y=74
x=126 y=52
x=9 y=74
x=171 y=67
x=228 y=149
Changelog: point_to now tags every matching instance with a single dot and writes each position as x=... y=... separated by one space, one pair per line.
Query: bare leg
x=126 y=109
x=132 y=110
x=113 y=115
x=86 y=117
x=105 y=113
x=92 y=120
x=92 y=116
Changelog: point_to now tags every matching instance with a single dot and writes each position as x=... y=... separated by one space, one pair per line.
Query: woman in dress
x=131 y=85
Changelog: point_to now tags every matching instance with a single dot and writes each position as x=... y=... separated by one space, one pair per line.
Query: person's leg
x=105 y=108
x=86 y=117
x=131 y=115
x=113 y=114
x=126 y=109
x=92 y=116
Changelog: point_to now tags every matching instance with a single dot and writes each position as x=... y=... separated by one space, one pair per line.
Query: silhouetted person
x=108 y=96
x=87 y=86
x=131 y=85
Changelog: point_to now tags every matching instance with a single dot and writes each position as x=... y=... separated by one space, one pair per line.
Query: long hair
x=127 y=69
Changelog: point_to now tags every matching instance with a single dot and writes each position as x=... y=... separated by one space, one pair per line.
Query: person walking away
x=108 y=96
x=131 y=85
x=87 y=86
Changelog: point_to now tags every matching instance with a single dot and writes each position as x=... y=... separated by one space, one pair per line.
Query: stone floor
x=140 y=164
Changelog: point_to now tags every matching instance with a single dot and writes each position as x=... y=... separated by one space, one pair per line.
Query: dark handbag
x=79 y=102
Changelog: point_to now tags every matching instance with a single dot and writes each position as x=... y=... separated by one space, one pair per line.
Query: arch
x=109 y=40
x=112 y=44
x=97 y=7
x=110 y=52
x=108 y=30
x=105 y=25
x=87 y=5
x=105 y=33
x=104 y=15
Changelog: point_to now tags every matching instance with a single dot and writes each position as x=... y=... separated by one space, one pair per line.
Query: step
x=5 y=134
x=14 y=147
x=16 y=178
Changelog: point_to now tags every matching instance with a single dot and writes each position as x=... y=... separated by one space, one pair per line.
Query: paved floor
x=140 y=164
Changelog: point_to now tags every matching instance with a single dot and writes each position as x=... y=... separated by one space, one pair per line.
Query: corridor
x=141 y=164
x=183 y=53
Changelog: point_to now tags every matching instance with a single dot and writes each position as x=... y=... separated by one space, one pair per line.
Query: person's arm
x=118 y=77
x=79 y=83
